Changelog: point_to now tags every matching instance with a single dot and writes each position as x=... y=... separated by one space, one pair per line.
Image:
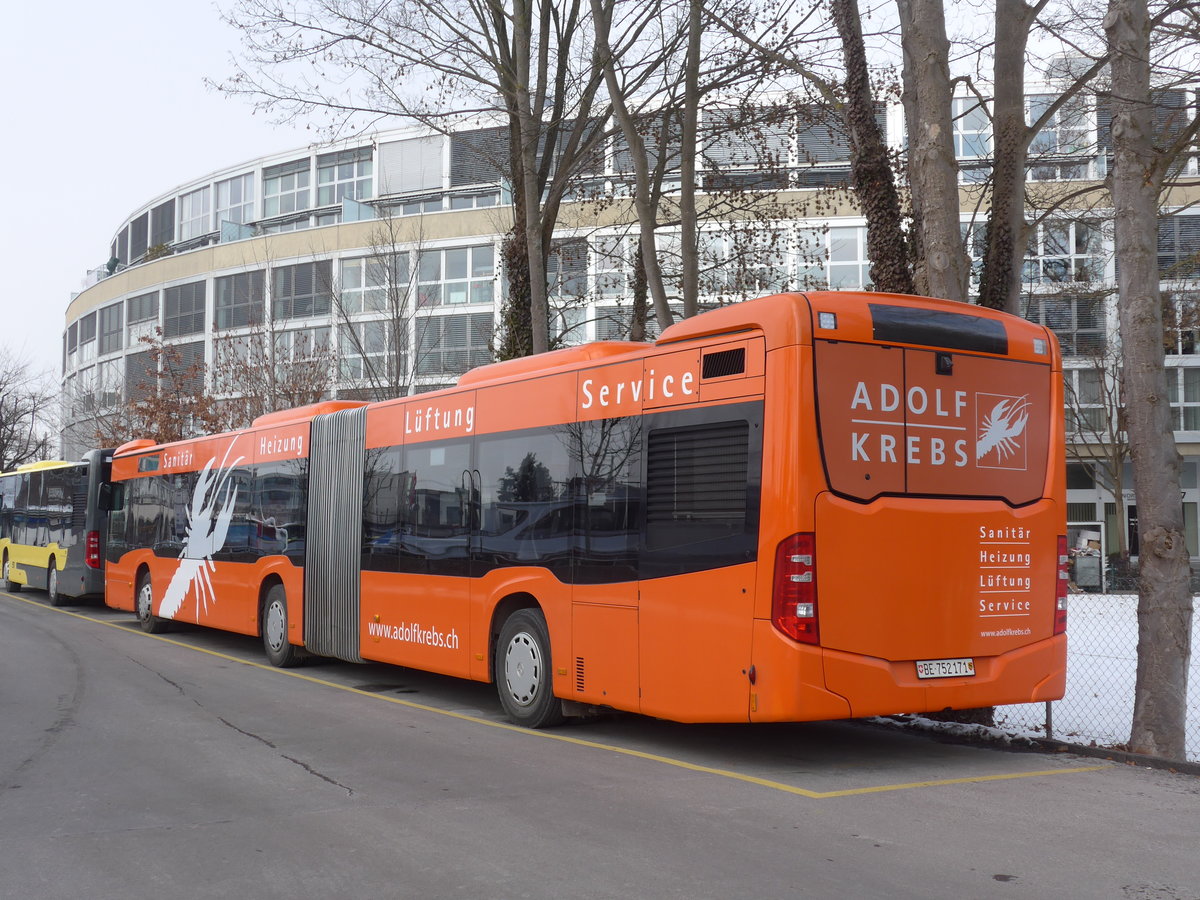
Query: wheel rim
x=52 y=583
x=523 y=668
x=275 y=625
x=145 y=601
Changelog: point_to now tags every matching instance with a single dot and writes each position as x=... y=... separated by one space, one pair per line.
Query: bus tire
x=280 y=653
x=523 y=671
x=56 y=599
x=143 y=603
x=9 y=585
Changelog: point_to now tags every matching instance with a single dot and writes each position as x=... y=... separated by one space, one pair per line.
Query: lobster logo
x=1001 y=430
x=208 y=519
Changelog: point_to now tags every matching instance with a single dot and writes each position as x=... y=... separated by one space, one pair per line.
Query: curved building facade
x=373 y=268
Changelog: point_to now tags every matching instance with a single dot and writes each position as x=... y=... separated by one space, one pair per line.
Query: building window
x=474 y=201
x=1179 y=247
x=611 y=261
x=459 y=275
x=141 y=316
x=374 y=284
x=301 y=344
x=1087 y=409
x=1077 y=321
x=1183 y=389
x=285 y=187
x=1181 y=321
x=746 y=262
x=183 y=368
x=972 y=140
x=183 y=309
x=1063 y=252
x=1067 y=133
x=141 y=375
x=162 y=223
x=615 y=323
x=235 y=200
x=84 y=399
x=344 y=174
x=363 y=351
x=195 y=213
x=139 y=236
x=110 y=377
x=301 y=290
x=112 y=336
x=239 y=300
x=848 y=263
x=87 y=338
x=451 y=345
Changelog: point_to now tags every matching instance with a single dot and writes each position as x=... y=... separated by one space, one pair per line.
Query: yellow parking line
x=579 y=742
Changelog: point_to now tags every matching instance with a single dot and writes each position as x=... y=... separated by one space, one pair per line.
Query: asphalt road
x=181 y=766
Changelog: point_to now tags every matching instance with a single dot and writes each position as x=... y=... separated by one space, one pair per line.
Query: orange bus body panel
x=919 y=442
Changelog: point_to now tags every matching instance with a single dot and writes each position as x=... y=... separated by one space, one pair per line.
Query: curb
x=1181 y=767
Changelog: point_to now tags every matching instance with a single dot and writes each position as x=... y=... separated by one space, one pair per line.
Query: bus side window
x=112 y=497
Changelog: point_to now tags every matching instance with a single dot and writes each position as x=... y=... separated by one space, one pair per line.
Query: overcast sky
x=104 y=109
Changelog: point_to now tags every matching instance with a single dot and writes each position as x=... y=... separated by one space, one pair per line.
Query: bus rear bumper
x=1029 y=674
x=797 y=683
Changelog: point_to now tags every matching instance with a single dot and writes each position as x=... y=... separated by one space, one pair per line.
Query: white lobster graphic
x=1001 y=428
x=207 y=528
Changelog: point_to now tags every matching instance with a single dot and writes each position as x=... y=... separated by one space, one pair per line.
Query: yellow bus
x=52 y=527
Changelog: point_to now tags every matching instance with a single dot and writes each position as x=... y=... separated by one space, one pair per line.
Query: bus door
x=703 y=440
x=607 y=514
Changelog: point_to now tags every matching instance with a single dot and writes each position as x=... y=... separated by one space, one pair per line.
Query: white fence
x=1101 y=667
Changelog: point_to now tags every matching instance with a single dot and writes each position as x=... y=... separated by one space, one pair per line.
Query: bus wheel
x=143 y=604
x=9 y=584
x=523 y=673
x=56 y=599
x=275 y=629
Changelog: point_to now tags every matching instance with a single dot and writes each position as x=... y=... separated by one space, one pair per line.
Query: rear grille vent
x=724 y=363
x=579 y=674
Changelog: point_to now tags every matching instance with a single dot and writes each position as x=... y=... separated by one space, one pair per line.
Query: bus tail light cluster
x=794 y=601
x=1060 y=592
x=92 y=553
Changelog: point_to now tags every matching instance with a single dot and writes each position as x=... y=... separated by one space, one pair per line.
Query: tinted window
x=434 y=515
x=525 y=514
x=609 y=516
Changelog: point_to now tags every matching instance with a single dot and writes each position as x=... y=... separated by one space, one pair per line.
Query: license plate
x=945 y=668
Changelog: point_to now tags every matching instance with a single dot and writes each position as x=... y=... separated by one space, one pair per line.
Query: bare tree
x=437 y=62
x=166 y=402
x=25 y=406
x=267 y=368
x=942 y=265
x=376 y=315
x=1165 y=600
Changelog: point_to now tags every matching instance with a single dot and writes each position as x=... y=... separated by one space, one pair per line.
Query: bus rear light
x=794 y=600
x=1064 y=580
x=92 y=552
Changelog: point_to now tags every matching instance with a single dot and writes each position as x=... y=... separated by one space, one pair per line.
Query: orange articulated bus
x=808 y=506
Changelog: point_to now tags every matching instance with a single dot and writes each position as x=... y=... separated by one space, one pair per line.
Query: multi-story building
x=378 y=261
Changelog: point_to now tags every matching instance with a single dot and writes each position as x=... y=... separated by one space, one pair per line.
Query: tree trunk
x=539 y=307
x=932 y=167
x=871 y=174
x=1165 y=601
x=688 y=247
x=647 y=209
x=1000 y=283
